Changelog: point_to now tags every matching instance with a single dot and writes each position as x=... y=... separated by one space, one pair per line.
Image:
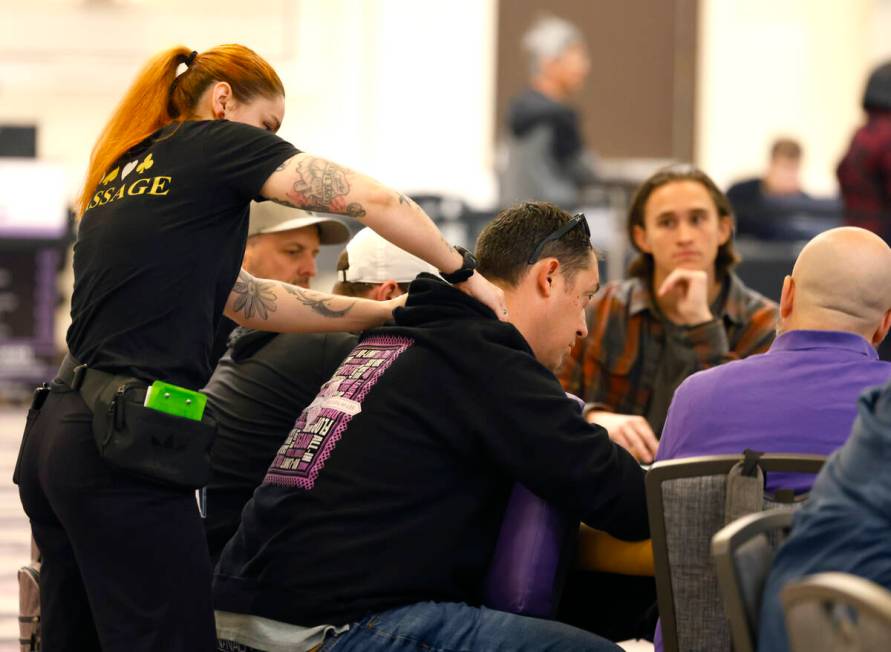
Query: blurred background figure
x=774 y=206
x=864 y=174
x=782 y=179
x=545 y=155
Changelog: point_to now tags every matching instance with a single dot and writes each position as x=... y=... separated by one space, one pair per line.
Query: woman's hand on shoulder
x=487 y=293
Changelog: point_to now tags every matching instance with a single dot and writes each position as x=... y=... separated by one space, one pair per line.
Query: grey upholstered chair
x=743 y=552
x=687 y=502
x=837 y=612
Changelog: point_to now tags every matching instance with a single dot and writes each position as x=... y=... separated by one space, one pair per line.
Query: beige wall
x=397 y=88
x=795 y=67
x=405 y=89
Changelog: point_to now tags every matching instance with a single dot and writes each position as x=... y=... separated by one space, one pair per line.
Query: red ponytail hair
x=158 y=97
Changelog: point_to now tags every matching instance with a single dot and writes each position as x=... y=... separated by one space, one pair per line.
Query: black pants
x=125 y=561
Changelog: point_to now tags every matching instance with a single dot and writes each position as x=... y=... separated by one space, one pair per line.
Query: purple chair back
x=535 y=544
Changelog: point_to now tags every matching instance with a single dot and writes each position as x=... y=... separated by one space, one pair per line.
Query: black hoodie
x=391 y=490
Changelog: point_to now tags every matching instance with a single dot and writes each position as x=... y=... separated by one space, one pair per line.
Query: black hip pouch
x=155 y=445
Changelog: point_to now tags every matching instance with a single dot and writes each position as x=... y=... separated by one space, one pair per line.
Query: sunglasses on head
x=578 y=218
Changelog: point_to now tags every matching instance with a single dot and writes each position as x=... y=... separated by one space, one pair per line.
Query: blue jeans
x=456 y=627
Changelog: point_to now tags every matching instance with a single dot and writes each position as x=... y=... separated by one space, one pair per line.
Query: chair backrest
x=686 y=503
x=531 y=557
x=535 y=546
x=837 y=612
x=743 y=553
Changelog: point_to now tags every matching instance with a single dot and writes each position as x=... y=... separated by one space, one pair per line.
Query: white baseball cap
x=372 y=259
x=269 y=217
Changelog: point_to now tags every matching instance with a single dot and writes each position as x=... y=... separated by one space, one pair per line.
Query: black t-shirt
x=160 y=245
x=259 y=388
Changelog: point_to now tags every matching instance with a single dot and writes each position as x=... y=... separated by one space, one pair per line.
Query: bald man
x=801 y=395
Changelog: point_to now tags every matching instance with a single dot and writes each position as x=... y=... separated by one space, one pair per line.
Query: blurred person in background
x=264 y=380
x=546 y=158
x=163 y=224
x=864 y=174
x=682 y=310
x=760 y=202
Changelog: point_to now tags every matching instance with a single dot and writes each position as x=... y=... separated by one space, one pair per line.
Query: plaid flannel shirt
x=633 y=358
x=864 y=176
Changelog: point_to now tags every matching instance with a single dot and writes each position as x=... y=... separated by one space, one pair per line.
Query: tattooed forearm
x=320 y=306
x=254 y=296
x=321 y=185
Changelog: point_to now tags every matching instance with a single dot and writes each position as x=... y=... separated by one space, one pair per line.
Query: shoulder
x=746 y=187
x=744 y=303
x=722 y=376
x=620 y=291
x=222 y=134
x=307 y=354
x=312 y=343
x=620 y=299
x=207 y=128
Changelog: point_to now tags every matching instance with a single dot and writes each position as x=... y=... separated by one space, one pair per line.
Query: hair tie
x=191 y=59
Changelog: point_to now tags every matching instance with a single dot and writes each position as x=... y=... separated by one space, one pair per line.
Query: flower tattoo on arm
x=255 y=296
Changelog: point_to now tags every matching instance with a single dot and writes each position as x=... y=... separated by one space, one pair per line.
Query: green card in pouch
x=178 y=401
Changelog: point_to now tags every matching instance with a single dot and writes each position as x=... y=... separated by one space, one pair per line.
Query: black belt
x=91 y=383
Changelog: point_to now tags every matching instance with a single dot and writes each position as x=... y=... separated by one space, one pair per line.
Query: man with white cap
x=372 y=268
x=264 y=380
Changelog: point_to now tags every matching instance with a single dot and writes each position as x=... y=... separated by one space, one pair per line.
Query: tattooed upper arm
x=314 y=184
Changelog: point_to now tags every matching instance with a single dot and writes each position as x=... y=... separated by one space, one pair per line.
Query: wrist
x=697 y=317
x=456 y=260
x=465 y=271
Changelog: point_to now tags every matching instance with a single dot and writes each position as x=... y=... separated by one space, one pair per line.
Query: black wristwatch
x=468 y=266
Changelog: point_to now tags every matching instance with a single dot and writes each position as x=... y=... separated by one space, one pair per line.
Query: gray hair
x=549 y=37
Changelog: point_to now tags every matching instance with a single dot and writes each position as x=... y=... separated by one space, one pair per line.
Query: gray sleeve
x=531 y=172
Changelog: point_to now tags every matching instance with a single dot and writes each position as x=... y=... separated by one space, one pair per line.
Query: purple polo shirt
x=799 y=397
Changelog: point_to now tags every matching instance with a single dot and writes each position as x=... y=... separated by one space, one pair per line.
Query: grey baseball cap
x=269 y=217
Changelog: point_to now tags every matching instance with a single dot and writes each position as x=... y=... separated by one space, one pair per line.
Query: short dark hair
x=786 y=148
x=356 y=289
x=642 y=265
x=506 y=243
